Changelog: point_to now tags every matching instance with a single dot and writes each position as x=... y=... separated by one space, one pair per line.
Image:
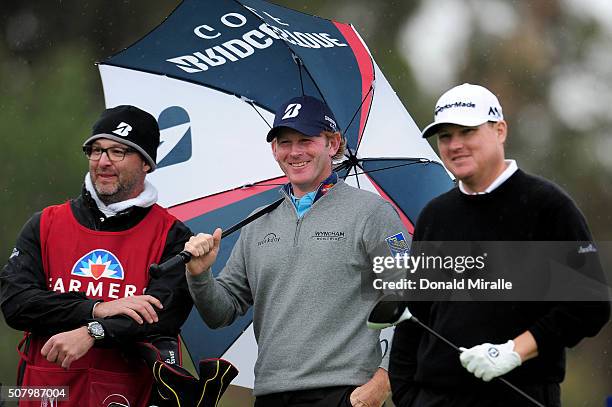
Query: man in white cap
x=494 y=201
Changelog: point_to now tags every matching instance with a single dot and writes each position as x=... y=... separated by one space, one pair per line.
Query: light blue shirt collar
x=303 y=204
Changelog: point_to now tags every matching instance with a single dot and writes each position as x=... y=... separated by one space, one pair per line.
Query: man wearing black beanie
x=78 y=280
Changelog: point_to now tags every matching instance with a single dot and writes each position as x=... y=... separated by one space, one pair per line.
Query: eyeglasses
x=114 y=154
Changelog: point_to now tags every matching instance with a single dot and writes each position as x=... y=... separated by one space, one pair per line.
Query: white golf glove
x=487 y=361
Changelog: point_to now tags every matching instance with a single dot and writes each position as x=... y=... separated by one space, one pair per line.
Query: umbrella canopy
x=213 y=73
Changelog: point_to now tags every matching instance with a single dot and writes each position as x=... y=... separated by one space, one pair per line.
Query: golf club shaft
x=452 y=345
x=434 y=333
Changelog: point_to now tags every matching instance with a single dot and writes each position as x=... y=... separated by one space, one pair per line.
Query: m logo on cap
x=123 y=129
x=494 y=112
x=292 y=110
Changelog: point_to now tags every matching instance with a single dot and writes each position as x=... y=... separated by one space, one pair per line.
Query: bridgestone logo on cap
x=292 y=110
x=450 y=105
x=123 y=129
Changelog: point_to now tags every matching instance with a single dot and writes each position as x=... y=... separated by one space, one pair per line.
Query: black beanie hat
x=131 y=126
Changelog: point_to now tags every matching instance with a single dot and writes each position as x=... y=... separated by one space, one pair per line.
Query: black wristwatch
x=96 y=330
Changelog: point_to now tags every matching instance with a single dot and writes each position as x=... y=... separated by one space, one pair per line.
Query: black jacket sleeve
x=26 y=301
x=170 y=288
x=567 y=323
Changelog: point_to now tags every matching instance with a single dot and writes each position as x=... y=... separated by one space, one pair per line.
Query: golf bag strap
x=20 y=347
x=22 y=350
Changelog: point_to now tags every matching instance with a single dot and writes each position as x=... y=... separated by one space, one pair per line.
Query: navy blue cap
x=306 y=114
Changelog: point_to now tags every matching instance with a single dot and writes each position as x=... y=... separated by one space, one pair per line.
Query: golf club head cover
x=174 y=385
x=215 y=376
x=488 y=361
x=178 y=388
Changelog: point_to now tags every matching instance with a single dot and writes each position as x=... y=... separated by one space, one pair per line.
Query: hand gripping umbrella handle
x=184 y=257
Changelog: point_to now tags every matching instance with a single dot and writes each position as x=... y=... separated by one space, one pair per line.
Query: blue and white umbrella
x=213 y=73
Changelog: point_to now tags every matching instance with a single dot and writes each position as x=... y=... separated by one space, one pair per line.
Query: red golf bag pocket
x=50 y=377
x=123 y=389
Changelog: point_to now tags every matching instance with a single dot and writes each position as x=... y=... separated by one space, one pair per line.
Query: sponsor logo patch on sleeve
x=398 y=244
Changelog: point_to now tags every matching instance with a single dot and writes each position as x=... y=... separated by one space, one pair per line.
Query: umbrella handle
x=184 y=257
x=178 y=260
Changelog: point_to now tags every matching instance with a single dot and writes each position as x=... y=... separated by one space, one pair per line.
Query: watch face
x=96 y=330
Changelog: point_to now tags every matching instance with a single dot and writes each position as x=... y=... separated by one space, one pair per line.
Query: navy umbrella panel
x=261 y=52
x=213 y=73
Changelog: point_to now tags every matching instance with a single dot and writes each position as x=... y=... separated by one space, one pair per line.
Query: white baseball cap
x=465 y=105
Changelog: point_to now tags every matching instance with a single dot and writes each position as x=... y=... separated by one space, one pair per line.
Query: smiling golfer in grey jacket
x=301 y=267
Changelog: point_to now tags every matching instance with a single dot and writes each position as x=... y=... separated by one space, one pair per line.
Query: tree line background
x=550 y=63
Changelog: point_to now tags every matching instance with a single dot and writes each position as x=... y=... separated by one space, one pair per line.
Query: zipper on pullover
x=298 y=225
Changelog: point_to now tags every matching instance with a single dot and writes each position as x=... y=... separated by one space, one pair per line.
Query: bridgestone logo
x=250 y=43
x=451 y=105
x=123 y=129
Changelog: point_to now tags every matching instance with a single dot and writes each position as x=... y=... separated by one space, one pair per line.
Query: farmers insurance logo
x=175 y=137
x=97 y=264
